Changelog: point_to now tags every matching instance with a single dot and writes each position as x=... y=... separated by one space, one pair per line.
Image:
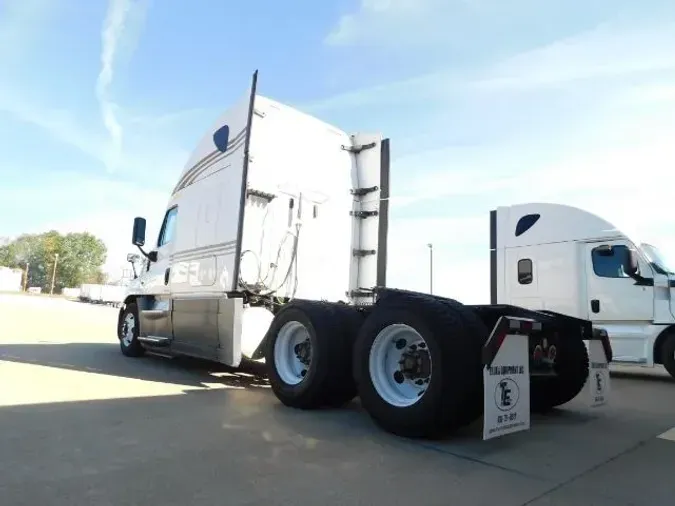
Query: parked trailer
x=71 y=293
x=103 y=294
x=85 y=292
x=274 y=247
x=112 y=295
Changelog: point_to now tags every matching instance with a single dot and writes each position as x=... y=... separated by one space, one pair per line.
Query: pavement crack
x=597 y=466
x=479 y=461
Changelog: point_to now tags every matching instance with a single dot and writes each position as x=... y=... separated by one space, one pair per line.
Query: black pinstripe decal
x=210 y=159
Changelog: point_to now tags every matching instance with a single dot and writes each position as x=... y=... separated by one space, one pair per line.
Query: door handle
x=595 y=305
x=166 y=275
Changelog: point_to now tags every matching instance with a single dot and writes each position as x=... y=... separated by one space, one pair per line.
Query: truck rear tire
x=668 y=354
x=417 y=363
x=571 y=368
x=308 y=355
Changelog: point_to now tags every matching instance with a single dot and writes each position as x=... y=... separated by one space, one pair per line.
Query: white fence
x=10 y=279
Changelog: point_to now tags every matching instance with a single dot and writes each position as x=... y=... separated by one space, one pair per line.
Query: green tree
x=80 y=258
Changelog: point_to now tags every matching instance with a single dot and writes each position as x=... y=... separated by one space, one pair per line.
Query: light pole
x=56 y=261
x=431 y=268
x=25 y=277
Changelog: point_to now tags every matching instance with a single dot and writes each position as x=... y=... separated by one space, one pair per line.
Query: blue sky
x=487 y=103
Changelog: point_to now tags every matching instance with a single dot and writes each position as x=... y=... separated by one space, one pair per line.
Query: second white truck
x=565 y=259
x=274 y=246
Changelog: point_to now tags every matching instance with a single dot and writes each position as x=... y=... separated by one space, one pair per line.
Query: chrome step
x=155 y=341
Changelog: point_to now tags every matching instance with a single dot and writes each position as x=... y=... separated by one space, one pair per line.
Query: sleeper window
x=609 y=264
x=168 y=227
x=525 y=274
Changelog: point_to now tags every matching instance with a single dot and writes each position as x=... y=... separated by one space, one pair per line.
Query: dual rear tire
x=308 y=347
x=414 y=361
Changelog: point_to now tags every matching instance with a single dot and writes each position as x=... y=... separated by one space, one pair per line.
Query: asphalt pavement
x=82 y=424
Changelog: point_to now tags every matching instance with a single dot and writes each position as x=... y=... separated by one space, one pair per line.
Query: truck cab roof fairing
x=556 y=223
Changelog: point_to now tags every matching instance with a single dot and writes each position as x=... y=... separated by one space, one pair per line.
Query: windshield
x=656 y=258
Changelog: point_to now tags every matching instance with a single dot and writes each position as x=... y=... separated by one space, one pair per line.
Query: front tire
x=127 y=332
x=668 y=354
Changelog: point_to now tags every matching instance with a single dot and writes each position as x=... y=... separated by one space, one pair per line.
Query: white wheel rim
x=287 y=360
x=390 y=347
x=128 y=327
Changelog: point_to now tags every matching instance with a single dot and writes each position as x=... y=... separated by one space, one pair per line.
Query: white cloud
x=615 y=50
x=436 y=86
x=152 y=141
x=114 y=28
x=58 y=123
x=393 y=22
x=612 y=168
x=609 y=50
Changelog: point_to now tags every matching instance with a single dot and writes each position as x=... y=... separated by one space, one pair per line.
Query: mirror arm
x=143 y=252
x=634 y=274
x=132 y=260
x=638 y=277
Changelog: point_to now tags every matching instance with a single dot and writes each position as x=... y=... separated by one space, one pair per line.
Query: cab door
x=156 y=316
x=618 y=302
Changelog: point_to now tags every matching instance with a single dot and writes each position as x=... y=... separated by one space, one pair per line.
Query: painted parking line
x=669 y=435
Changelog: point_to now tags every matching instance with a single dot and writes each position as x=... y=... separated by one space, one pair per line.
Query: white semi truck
x=565 y=259
x=274 y=246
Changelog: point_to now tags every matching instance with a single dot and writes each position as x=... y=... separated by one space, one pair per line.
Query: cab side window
x=609 y=263
x=168 y=227
x=525 y=271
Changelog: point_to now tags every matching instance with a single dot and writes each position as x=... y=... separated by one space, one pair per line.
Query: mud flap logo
x=598 y=377
x=598 y=383
x=506 y=396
